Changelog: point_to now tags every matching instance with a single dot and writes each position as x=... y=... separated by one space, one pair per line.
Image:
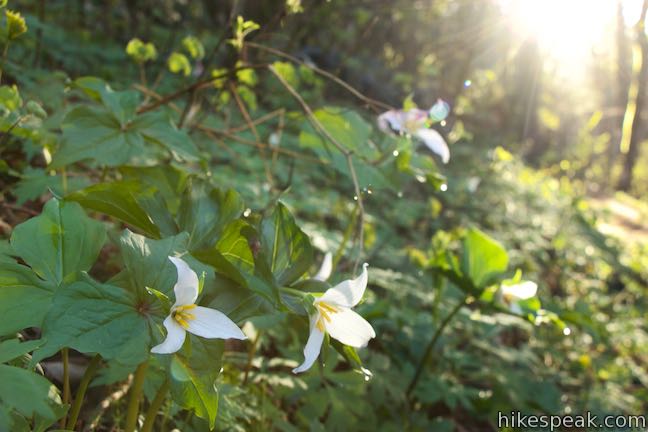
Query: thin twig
x=347 y=154
x=340 y=82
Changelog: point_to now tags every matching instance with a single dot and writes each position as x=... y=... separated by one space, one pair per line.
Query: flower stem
x=294 y=292
x=83 y=386
x=152 y=411
x=66 y=381
x=135 y=393
x=430 y=345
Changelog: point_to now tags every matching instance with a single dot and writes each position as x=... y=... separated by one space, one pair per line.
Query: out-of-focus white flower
x=414 y=122
x=512 y=294
x=186 y=316
x=335 y=317
x=325 y=270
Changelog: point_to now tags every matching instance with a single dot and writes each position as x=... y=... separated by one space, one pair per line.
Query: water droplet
x=367 y=373
x=443 y=187
x=355 y=197
x=247 y=212
x=399 y=194
x=443 y=123
x=420 y=178
x=395 y=153
x=467 y=83
x=566 y=331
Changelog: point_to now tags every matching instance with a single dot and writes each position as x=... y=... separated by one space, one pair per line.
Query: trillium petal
x=186 y=288
x=325 y=270
x=347 y=293
x=212 y=324
x=521 y=291
x=174 y=339
x=312 y=348
x=349 y=328
x=435 y=142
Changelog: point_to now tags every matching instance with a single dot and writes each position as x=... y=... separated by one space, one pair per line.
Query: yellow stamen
x=325 y=311
x=183 y=317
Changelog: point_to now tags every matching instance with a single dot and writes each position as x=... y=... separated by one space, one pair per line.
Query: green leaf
x=13 y=348
x=179 y=63
x=91 y=317
x=205 y=211
x=21 y=290
x=60 y=242
x=194 y=47
x=120 y=200
x=285 y=246
x=193 y=384
x=34 y=182
x=483 y=258
x=26 y=392
x=147 y=262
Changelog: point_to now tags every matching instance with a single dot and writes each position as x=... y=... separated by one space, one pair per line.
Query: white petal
x=391 y=121
x=349 y=328
x=521 y=291
x=186 y=288
x=347 y=293
x=515 y=308
x=435 y=142
x=327 y=266
x=174 y=339
x=212 y=324
x=312 y=348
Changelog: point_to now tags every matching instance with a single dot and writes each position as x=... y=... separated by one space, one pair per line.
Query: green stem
x=152 y=411
x=293 y=292
x=430 y=345
x=64 y=180
x=66 y=381
x=83 y=386
x=135 y=393
x=4 y=58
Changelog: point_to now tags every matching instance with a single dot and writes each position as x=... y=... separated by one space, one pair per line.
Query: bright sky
x=568 y=30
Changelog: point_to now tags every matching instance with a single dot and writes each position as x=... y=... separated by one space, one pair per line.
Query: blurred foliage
x=243 y=135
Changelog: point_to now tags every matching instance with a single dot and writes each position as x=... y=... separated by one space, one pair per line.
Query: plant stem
x=83 y=386
x=293 y=292
x=430 y=345
x=152 y=411
x=66 y=380
x=4 y=58
x=135 y=393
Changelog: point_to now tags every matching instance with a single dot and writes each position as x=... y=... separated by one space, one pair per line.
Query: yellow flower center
x=183 y=317
x=325 y=311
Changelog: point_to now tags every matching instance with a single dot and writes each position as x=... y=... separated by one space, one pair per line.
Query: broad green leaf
x=347 y=127
x=21 y=290
x=483 y=258
x=193 y=383
x=285 y=246
x=147 y=262
x=34 y=182
x=120 y=200
x=13 y=348
x=60 y=242
x=204 y=212
x=26 y=392
x=91 y=317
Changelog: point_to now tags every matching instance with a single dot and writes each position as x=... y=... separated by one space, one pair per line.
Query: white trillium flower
x=512 y=294
x=186 y=316
x=335 y=317
x=412 y=122
x=325 y=270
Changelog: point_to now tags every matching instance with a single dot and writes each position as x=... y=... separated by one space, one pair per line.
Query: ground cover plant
x=293 y=215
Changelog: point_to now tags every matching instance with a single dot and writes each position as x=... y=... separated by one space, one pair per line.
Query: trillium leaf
x=205 y=211
x=13 y=348
x=91 y=317
x=483 y=258
x=286 y=248
x=21 y=290
x=27 y=392
x=147 y=262
x=60 y=242
x=193 y=383
x=121 y=200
